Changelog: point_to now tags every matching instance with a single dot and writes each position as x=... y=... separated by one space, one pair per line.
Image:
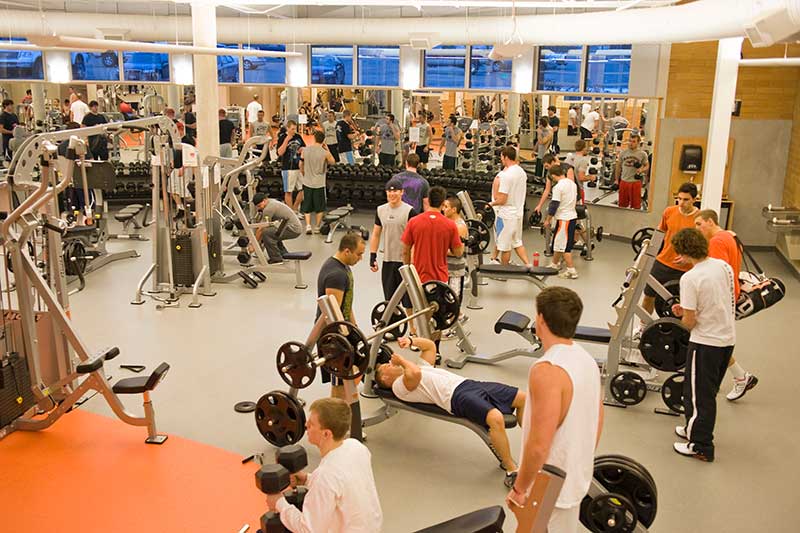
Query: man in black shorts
x=481 y=402
x=336 y=279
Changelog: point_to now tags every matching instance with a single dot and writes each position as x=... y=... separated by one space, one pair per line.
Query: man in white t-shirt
x=481 y=402
x=252 y=110
x=591 y=121
x=564 y=417
x=572 y=121
x=562 y=208
x=78 y=109
x=341 y=497
x=707 y=308
x=510 y=199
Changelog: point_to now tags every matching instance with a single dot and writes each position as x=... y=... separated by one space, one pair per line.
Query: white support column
x=206 y=90
x=174 y=97
x=728 y=55
x=292 y=100
x=37 y=92
x=513 y=113
x=397 y=108
x=91 y=92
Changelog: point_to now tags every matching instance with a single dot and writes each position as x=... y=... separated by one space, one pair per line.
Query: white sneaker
x=637 y=333
x=494 y=261
x=741 y=386
x=688 y=449
x=555 y=266
x=568 y=274
x=680 y=431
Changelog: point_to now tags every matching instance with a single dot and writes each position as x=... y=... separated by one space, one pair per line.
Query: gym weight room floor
x=224 y=352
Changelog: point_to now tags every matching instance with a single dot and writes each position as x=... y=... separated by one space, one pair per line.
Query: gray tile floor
x=428 y=470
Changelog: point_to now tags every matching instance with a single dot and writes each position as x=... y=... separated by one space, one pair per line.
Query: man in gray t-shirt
x=275 y=211
x=388 y=135
x=314 y=163
x=329 y=127
x=390 y=221
x=452 y=139
x=631 y=169
x=261 y=128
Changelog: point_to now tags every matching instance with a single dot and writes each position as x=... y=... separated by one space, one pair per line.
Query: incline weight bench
x=127 y=215
x=335 y=219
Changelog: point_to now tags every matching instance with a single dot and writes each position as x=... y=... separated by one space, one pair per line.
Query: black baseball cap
x=259 y=197
x=394 y=184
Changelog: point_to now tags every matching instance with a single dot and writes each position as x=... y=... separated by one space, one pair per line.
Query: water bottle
x=536 y=259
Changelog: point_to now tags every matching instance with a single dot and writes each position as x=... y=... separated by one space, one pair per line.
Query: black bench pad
x=510 y=420
x=499 y=270
x=96 y=362
x=81 y=230
x=589 y=334
x=512 y=321
x=297 y=256
x=141 y=384
x=488 y=520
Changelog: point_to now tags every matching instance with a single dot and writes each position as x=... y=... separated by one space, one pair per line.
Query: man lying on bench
x=482 y=402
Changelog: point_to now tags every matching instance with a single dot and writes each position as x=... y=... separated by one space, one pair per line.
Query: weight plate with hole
x=478 y=237
x=664 y=344
x=449 y=306
x=663 y=307
x=628 y=388
x=244 y=407
x=672 y=393
x=294 y=365
x=630 y=463
x=397 y=314
x=280 y=418
x=620 y=478
x=608 y=513
x=484 y=212
x=637 y=241
x=358 y=345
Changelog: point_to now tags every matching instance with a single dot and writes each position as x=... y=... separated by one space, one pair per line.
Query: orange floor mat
x=92 y=474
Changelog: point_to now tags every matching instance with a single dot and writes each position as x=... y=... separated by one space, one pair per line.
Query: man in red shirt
x=431 y=235
x=722 y=245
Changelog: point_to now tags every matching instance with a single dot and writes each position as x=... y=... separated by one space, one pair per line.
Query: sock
x=737 y=371
x=572 y=270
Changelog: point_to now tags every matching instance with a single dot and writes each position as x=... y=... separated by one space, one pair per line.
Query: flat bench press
x=335 y=219
x=127 y=215
x=535 y=275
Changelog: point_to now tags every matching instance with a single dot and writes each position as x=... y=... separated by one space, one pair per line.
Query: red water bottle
x=536 y=259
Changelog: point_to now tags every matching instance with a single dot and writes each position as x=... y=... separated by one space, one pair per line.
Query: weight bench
x=127 y=215
x=488 y=520
x=434 y=411
x=535 y=275
x=335 y=219
x=291 y=264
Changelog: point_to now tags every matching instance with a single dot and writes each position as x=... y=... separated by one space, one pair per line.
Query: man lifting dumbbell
x=268 y=236
x=274 y=479
x=341 y=492
x=481 y=402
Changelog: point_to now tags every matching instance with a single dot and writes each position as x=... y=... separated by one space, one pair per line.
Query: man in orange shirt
x=722 y=245
x=667 y=266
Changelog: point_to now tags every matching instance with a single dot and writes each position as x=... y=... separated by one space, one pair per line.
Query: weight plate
x=663 y=307
x=637 y=241
x=628 y=388
x=619 y=478
x=397 y=314
x=608 y=513
x=338 y=354
x=484 y=212
x=384 y=354
x=664 y=344
x=74 y=249
x=609 y=458
x=449 y=305
x=244 y=407
x=672 y=393
x=478 y=238
x=280 y=418
x=359 y=347
x=294 y=365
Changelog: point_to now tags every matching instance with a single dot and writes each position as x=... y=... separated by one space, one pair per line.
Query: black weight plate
x=293 y=363
x=244 y=407
x=620 y=478
x=608 y=513
x=338 y=354
x=664 y=344
x=628 y=388
x=357 y=340
x=280 y=418
x=384 y=354
x=484 y=212
x=479 y=237
x=397 y=314
x=449 y=306
x=663 y=307
x=630 y=463
x=672 y=393
x=637 y=241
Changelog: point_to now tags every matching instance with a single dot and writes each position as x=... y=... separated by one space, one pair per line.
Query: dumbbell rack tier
x=133 y=182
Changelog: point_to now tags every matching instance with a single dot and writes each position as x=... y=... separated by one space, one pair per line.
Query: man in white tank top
x=565 y=408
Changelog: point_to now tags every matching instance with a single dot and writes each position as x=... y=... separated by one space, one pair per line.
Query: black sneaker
x=511 y=478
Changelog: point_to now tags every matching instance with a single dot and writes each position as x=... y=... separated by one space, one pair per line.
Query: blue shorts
x=564 y=236
x=498 y=226
x=347 y=157
x=474 y=399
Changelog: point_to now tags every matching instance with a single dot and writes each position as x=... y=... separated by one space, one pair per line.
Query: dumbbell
x=596 y=141
x=593 y=161
x=276 y=478
x=242 y=241
x=468 y=145
x=468 y=135
x=243 y=257
x=596 y=150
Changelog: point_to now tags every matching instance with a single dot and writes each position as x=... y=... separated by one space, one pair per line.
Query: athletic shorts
x=387 y=160
x=510 y=235
x=449 y=162
x=423 y=154
x=474 y=399
x=347 y=157
x=663 y=274
x=291 y=180
x=327 y=377
x=391 y=279
x=564 y=520
x=564 y=236
x=314 y=200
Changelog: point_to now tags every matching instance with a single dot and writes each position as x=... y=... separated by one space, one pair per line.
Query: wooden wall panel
x=791 y=186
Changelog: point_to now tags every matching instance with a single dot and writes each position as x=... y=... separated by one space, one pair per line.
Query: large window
x=445 y=66
x=145 y=66
x=379 y=65
x=21 y=64
x=608 y=69
x=95 y=66
x=485 y=73
x=228 y=66
x=265 y=69
x=560 y=68
x=332 y=65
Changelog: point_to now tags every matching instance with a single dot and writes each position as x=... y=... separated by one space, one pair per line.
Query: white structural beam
x=206 y=89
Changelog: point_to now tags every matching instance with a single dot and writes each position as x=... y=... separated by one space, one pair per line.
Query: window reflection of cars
x=481 y=65
x=22 y=63
x=328 y=69
x=227 y=69
x=80 y=61
x=146 y=66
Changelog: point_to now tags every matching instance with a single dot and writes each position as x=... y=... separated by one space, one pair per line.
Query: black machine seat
x=96 y=362
x=141 y=384
x=500 y=270
x=488 y=520
x=297 y=256
x=510 y=420
x=512 y=321
x=589 y=334
x=75 y=231
x=133 y=207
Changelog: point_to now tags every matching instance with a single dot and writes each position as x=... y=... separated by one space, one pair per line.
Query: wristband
x=373 y=258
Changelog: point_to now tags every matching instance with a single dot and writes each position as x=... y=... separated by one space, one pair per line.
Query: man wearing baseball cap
x=390 y=221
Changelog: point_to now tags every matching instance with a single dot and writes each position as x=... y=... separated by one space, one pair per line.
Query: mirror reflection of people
x=8 y=121
x=631 y=170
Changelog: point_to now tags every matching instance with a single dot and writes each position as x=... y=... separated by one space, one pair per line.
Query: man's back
x=333 y=274
x=415 y=188
x=723 y=246
x=707 y=289
x=566 y=194
x=514 y=183
x=226 y=128
x=431 y=234
x=276 y=210
x=314 y=163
